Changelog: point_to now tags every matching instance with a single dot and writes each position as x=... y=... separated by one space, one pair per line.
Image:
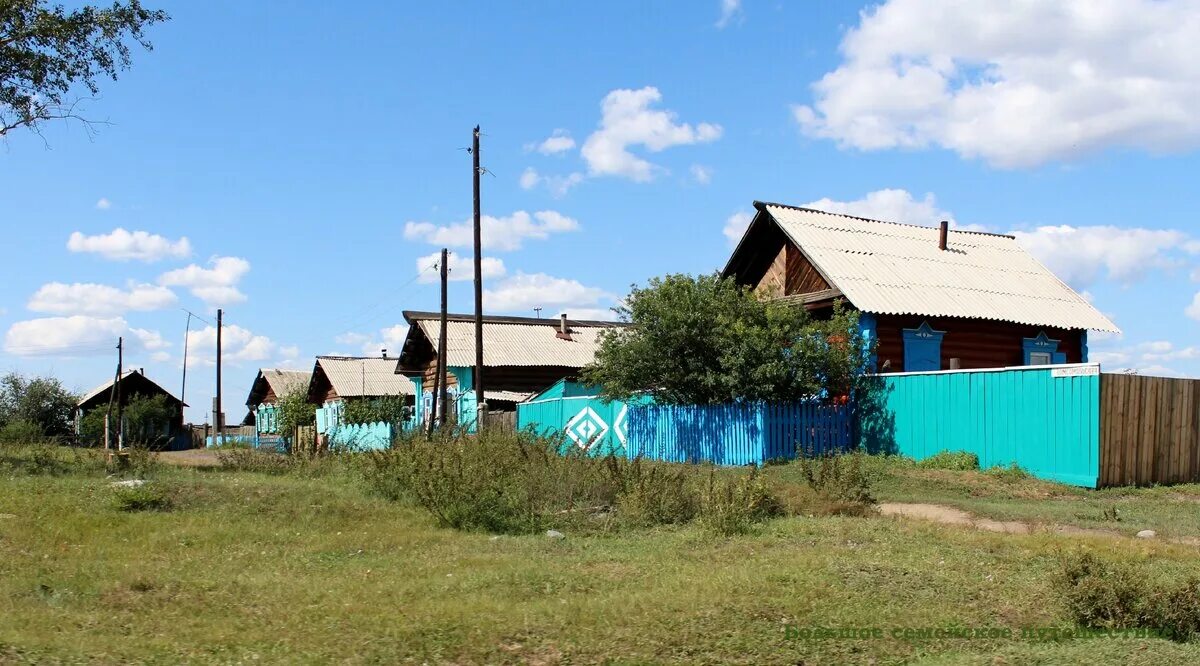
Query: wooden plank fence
x=1149 y=430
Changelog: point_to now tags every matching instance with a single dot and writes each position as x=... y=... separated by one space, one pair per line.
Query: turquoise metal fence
x=360 y=436
x=1043 y=418
x=599 y=427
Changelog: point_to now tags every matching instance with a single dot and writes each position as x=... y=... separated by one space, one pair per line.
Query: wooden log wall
x=1149 y=430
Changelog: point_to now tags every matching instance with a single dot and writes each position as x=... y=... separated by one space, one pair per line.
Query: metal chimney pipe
x=945 y=229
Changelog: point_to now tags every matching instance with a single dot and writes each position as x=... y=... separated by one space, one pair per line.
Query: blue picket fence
x=740 y=433
x=731 y=434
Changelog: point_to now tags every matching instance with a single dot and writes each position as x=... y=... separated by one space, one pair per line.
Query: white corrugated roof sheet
x=891 y=268
x=358 y=377
x=283 y=382
x=516 y=343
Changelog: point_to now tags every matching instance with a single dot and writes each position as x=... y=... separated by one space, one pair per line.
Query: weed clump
x=839 y=483
x=1118 y=595
x=142 y=497
x=732 y=506
x=1011 y=474
x=958 y=461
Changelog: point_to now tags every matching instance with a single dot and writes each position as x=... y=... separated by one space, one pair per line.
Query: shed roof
x=141 y=379
x=510 y=341
x=281 y=382
x=356 y=377
x=892 y=268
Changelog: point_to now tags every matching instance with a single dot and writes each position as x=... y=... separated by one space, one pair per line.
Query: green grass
x=311 y=568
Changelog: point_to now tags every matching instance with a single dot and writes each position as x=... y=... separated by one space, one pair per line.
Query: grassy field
x=312 y=567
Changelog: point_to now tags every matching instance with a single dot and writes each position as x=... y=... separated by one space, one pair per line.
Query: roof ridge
x=415 y=315
x=757 y=204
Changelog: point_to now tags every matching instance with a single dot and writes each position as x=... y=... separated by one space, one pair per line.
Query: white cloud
x=1193 y=310
x=390 y=338
x=525 y=291
x=558 y=142
x=628 y=121
x=1017 y=84
x=216 y=285
x=461 y=267
x=730 y=10
x=98 y=299
x=238 y=345
x=890 y=205
x=498 y=233
x=122 y=245
x=103 y=204
x=78 y=335
x=736 y=225
x=701 y=174
x=1082 y=255
x=558 y=185
x=529 y=178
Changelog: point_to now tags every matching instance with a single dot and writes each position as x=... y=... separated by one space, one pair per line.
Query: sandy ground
x=948 y=515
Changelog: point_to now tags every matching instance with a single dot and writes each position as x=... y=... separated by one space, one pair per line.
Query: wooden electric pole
x=117 y=388
x=439 y=366
x=217 y=417
x=480 y=403
x=187 y=332
x=442 y=377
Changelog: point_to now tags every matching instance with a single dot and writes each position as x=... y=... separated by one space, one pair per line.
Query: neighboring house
x=931 y=298
x=268 y=387
x=336 y=379
x=521 y=356
x=169 y=434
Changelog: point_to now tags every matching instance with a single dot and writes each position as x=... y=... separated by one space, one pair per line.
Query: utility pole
x=187 y=331
x=117 y=388
x=442 y=377
x=217 y=417
x=441 y=352
x=480 y=403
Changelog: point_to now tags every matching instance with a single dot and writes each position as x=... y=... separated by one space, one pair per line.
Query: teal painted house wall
x=1045 y=419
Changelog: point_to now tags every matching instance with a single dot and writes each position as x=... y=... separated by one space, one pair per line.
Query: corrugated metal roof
x=521 y=344
x=283 y=382
x=358 y=377
x=891 y=268
x=507 y=396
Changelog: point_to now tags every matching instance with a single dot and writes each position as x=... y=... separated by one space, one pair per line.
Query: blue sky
x=297 y=167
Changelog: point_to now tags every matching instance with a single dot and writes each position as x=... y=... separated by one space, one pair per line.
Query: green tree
x=382 y=409
x=148 y=422
x=705 y=340
x=46 y=53
x=41 y=402
x=294 y=410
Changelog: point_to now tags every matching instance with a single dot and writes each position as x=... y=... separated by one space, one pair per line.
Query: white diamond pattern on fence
x=586 y=428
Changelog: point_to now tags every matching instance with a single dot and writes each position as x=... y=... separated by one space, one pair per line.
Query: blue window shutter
x=922 y=348
x=1043 y=344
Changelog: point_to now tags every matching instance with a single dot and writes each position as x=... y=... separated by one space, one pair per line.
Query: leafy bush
x=41 y=401
x=144 y=497
x=21 y=431
x=958 y=461
x=840 y=483
x=495 y=481
x=1118 y=595
x=135 y=461
x=382 y=409
x=733 y=504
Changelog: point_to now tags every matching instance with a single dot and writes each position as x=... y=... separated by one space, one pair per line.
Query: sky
x=302 y=168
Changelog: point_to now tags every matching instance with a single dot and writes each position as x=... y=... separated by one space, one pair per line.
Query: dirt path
x=947 y=515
